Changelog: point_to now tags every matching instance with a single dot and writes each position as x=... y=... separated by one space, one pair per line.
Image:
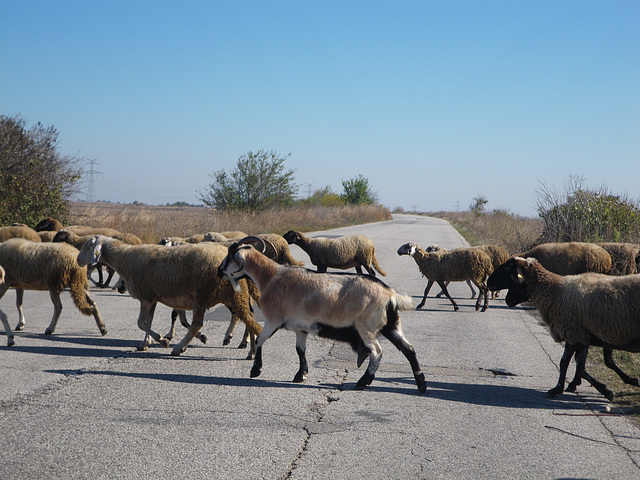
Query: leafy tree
x=478 y=203
x=357 y=191
x=35 y=180
x=258 y=182
x=322 y=197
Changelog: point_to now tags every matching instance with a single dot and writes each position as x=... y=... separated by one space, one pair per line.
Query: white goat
x=346 y=307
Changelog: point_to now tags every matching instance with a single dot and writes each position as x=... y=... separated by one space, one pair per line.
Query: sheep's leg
x=581 y=359
x=608 y=361
x=182 y=315
x=483 y=291
x=57 y=310
x=301 y=347
x=196 y=325
x=228 y=335
x=267 y=331
x=322 y=269
x=426 y=292
x=397 y=338
x=110 y=272
x=601 y=387
x=7 y=329
x=374 y=361
x=246 y=338
x=569 y=350
x=359 y=270
x=443 y=286
x=19 y=299
x=95 y=313
x=473 y=292
x=145 y=318
x=172 y=331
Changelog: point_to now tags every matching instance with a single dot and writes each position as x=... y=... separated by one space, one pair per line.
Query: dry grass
x=152 y=223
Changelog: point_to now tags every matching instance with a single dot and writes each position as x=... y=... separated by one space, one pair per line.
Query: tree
x=357 y=191
x=478 y=203
x=258 y=182
x=35 y=180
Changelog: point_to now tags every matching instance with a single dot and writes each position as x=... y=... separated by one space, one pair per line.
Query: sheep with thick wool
x=183 y=277
x=571 y=258
x=624 y=257
x=580 y=310
x=19 y=231
x=352 y=308
x=342 y=253
x=458 y=265
x=46 y=266
x=51 y=224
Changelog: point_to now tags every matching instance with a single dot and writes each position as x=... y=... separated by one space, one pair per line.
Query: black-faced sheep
x=352 y=308
x=580 y=310
x=182 y=277
x=571 y=258
x=46 y=266
x=342 y=253
x=19 y=231
x=457 y=265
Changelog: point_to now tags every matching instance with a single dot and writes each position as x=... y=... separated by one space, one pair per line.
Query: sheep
x=580 y=310
x=623 y=257
x=346 y=252
x=214 y=237
x=571 y=258
x=438 y=248
x=182 y=277
x=18 y=231
x=46 y=236
x=352 y=308
x=46 y=266
x=52 y=224
x=3 y=317
x=456 y=265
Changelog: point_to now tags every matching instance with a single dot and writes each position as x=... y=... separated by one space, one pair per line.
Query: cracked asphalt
x=78 y=405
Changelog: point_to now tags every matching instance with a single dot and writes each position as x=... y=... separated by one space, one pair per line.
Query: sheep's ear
x=517 y=275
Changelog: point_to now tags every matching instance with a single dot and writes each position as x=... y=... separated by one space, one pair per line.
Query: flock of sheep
x=587 y=294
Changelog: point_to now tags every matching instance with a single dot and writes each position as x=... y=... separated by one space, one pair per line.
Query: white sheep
x=351 y=308
x=457 y=265
x=342 y=253
x=19 y=231
x=46 y=266
x=182 y=277
x=580 y=310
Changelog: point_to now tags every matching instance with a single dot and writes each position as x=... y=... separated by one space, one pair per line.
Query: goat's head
x=510 y=275
x=408 y=249
x=233 y=265
x=91 y=251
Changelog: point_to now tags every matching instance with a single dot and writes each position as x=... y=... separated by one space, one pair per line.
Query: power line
x=91 y=194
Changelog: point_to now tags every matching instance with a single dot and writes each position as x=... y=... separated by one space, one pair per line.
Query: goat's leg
x=57 y=310
x=19 y=299
x=145 y=318
x=397 y=338
x=608 y=361
x=3 y=317
x=443 y=286
x=569 y=350
x=196 y=325
x=301 y=348
x=374 y=361
x=267 y=331
x=426 y=292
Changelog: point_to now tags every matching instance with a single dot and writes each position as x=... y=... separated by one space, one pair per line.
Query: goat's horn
x=266 y=247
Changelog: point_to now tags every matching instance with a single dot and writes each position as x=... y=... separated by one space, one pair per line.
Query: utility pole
x=91 y=194
x=457 y=205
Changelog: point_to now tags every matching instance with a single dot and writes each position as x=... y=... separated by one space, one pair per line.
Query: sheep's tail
x=78 y=288
x=374 y=262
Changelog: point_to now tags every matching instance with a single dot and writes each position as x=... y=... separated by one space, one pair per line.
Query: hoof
x=255 y=372
x=142 y=347
x=456 y=308
x=420 y=306
x=251 y=356
x=177 y=351
x=226 y=341
x=300 y=377
x=164 y=342
x=608 y=395
x=553 y=392
x=103 y=331
x=19 y=327
x=10 y=342
x=203 y=339
x=421 y=382
x=243 y=345
x=48 y=331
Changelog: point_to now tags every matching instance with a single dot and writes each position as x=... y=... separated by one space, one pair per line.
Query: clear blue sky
x=435 y=102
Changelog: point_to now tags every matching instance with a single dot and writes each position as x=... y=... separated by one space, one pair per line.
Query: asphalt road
x=79 y=405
